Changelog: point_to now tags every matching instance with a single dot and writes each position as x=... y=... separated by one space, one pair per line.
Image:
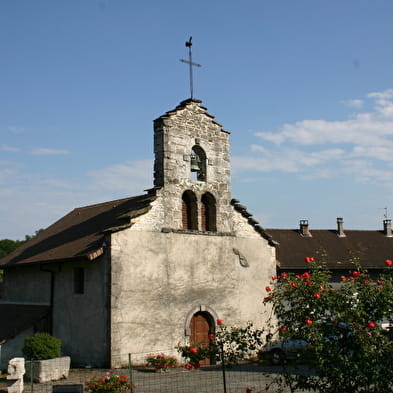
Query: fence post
x=31 y=376
x=130 y=373
x=223 y=367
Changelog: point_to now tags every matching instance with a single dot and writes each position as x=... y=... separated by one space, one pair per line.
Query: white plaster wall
x=158 y=278
x=81 y=320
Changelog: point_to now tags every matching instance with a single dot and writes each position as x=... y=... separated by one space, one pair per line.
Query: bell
x=194 y=164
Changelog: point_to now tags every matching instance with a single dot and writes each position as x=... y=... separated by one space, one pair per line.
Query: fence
x=243 y=378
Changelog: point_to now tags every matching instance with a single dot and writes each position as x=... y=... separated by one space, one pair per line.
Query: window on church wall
x=198 y=164
x=79 y=280
x=189 y=211
x=208 y=213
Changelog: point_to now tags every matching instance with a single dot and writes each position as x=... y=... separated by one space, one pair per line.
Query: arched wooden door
x=200 y=327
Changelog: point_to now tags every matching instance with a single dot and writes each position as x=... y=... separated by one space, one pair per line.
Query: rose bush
x=228 y=345
x=233 y=344
x=161 y=361
x=194 y=354
x=348 y=348
x=110 y=383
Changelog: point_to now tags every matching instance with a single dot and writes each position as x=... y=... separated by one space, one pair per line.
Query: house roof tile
x=371 y=248
x=81 y=233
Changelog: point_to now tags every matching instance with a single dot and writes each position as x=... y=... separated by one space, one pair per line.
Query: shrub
x=348 y=348
x=41 y=346
x=229 y=345
x=195 y=353
x=110 y=383
x=161 y=361
x=233 y=344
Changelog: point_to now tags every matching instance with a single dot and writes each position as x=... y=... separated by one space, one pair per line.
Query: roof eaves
x=117 y=228
x=95 y=254
x=49 y=261
x=253 y=222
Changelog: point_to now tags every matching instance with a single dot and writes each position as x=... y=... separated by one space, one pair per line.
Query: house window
x=189 y=211
x=79 y=280
x=208 y=213
x=198 y=163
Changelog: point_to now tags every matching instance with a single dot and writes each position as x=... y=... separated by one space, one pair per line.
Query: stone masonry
x=175 y=134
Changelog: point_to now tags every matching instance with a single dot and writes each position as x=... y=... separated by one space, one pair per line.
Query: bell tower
x=192 y=169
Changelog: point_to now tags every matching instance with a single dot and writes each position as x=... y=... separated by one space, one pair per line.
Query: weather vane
x=191 y=64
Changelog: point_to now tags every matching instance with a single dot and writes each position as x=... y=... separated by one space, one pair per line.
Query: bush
x=110 y=383
x=348 y=348
x=41 y=346
x=195 y=353
x=161 y=361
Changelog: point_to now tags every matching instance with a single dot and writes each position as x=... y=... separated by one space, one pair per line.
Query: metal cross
x=191 y=64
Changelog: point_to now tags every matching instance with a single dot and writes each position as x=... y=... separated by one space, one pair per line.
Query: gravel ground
x=205 y=380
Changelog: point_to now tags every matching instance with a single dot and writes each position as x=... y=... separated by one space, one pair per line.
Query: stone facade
x=175 y=135
x=193 y=252
x=179 y=272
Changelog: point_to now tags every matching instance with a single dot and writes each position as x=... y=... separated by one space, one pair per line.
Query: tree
x=8 y=245
x=347 y=346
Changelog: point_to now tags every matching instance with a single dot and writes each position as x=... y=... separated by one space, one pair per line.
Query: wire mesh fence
x=249 y=377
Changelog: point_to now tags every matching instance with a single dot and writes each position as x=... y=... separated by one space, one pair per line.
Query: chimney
x=304 y=231
x=340 y=227
x=387 y=228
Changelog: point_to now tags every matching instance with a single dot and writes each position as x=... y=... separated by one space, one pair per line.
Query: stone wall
x=175 y=134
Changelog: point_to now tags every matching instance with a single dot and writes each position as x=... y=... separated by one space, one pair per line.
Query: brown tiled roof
x=17 y=317
x=371 y=247
x=81 y=233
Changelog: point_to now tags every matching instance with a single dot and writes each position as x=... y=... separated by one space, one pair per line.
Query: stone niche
x=48 y=370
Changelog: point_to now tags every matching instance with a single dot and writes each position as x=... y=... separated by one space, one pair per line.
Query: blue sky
x=304 y=87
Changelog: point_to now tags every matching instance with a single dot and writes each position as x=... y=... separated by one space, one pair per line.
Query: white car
x=281 y=351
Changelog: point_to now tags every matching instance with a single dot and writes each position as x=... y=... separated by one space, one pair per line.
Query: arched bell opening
x=208 y=213
x=189 y=211
x=198 y=163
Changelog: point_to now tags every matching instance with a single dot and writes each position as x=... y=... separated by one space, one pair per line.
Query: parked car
x=279 y=352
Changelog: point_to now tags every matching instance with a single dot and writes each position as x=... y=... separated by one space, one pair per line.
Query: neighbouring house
x=342 y=250
x=142 y=273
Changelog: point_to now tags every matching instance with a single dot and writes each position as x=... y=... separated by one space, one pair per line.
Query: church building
x=141 y=274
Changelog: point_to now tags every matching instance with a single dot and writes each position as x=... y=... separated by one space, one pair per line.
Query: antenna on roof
x=385 y=215
x=191 y=64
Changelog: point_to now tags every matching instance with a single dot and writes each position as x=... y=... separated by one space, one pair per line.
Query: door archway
x=201 y=325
